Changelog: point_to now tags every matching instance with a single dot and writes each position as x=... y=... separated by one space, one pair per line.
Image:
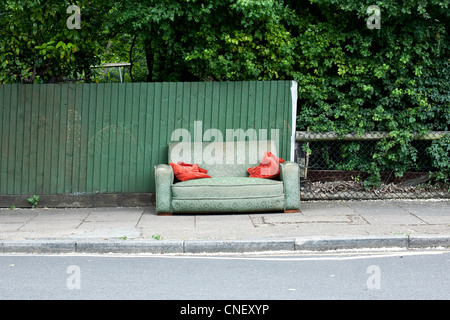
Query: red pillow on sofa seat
x=267 y=168
x=184 y=173
x=190 y=165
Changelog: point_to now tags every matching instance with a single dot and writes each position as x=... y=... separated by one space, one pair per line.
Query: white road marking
x=260 y=256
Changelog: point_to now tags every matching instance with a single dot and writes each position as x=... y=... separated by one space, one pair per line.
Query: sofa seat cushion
x=229 y=205
x=227 y=187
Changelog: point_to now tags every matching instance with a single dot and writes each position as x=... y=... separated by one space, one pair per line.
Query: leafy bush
x=36 y=45
x=439 y=152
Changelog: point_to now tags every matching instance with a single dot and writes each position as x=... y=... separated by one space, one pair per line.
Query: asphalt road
x=422 y=274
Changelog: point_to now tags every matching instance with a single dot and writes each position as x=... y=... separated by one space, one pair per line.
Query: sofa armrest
x=163 y=183
x=289 y=174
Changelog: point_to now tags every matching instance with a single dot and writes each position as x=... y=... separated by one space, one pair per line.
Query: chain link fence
x=341 y=167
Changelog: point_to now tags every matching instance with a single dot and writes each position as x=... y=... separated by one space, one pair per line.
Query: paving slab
x=316 y=208
x=436 y=229
x=431 y=212
x=375 y=207
x=299 y=218
x=392 y=219
x=10 y=226
x=115 y=214
x=53 y=214
x=231 y=221
x=48 y=227
x=155 y=221
x=106 y=233
x=16 y=216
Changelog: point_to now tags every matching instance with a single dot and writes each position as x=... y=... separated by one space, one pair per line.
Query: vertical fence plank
x=227 y=107
x=12 y=137
x=29 y=181
x=156 y=121
x=272 y=123
x=105 y=138
x=120 y=125
x=62 y=147
x=215 y=106
x=177 y=106
x=20 y=105
x=48 y=173
x=141 y=136
x=200 y=104
x=84 y=137
x=91 y=139
x=111 y=158
x=134 y=124
x=98 y=138
x=126 y=138
x=251 y=105
x=171 y=112
x=259 y=107
x=148 y=156
x=222 y=106
x=5 y=97
x=69 y=140
x=283 y=120
x=24 y=122
x=164 y=114
x=191 y=98
x=207 y=103
x=287 y=121
x=265 y=105
x=237 y=109
x=77 y=138
x=56 y=139
x=40 y=139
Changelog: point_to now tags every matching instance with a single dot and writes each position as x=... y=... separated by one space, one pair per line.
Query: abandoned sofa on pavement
x=229 y=190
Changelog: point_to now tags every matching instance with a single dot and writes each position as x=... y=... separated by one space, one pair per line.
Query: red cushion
x=267 y=168
x=190 y=165
x=184 y=173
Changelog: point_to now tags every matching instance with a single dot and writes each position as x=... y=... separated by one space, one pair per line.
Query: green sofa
x=230 y=189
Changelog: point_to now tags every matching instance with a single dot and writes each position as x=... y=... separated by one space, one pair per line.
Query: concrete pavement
x=320 y=225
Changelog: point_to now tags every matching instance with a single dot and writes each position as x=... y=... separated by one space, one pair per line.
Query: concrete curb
x=92 y=246
x=212 y=246
x=37 y=246
x=425 y=241
x=225 y=246
x=322 y=244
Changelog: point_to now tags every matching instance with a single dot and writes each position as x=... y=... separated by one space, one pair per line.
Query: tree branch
x=131 y=57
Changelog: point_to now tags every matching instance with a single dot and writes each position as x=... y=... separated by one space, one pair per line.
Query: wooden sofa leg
x=165 y=214
x=291 y=211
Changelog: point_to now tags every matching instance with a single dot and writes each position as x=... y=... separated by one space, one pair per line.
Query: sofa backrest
x=222 y=159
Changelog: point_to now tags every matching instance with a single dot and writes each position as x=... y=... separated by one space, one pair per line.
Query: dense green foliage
x=36 y=46
x=350 y=78
x=209 y=40
x=395 y=79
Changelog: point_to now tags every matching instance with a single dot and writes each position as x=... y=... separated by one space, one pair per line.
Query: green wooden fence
x=106 y=138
